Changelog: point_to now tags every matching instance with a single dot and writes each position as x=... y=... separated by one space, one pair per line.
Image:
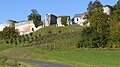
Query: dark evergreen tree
x=35 y=17
x=90 y=6
x=97 y=4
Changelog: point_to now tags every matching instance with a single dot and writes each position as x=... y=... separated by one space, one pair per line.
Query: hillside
x=53 y=37
x=58 y=45
x=47 y=38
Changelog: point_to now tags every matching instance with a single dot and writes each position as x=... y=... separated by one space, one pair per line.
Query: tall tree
x=90 y=6
x=97 y=34
x=94 y=5
x=36 y=17
x=97 y=4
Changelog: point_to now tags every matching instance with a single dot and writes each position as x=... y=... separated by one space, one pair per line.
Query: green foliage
x=9 y=33
x=97 y=34
x=117 y=6
x=35 y=17
x=115 y=16
x=115 y=34
x=103 y=30
x=64 y=19
x=97 y=4
x=94 y=5
x=90 y=6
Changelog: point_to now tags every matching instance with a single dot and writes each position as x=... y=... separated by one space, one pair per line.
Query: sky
x=19 y=9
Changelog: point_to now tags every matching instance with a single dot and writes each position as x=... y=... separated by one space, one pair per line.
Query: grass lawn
x=80 y=58
x=91 y=58
x=87 y=58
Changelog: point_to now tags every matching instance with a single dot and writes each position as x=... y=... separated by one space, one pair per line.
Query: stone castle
x=26 y=27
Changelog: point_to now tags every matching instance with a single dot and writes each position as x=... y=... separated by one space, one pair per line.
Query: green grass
x=91 y=58
x=54 y=29
x=60 y=47
x=50 y=38
x=5 y=46
x=54 y=38
x=85 y=58
x=80 y=58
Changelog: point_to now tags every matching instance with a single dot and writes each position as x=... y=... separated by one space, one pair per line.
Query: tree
x=115 y=29
x=115 y=16
x=9 y=33
x=90 y=6
x=97 y=4
x=35 y=17
x=94 y=5
x=97 y=34
x=115 y=34
x=117 y=6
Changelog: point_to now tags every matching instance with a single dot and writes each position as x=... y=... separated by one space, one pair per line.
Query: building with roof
x=79 y=19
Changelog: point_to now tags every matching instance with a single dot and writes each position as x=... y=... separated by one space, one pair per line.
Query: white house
x=79 y=19
x=107 y=10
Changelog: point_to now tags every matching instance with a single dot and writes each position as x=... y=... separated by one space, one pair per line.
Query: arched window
x=77 y=19
x=33 y=29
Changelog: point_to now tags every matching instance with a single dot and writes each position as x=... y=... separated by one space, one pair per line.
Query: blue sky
x=19 y=9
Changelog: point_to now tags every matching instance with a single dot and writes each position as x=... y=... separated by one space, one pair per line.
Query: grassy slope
x=80 y=58
x=60 y=37
x=55 y=29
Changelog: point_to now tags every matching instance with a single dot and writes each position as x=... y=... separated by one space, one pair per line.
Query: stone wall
x=24 y=27
x=59 y=23
x=50 y=19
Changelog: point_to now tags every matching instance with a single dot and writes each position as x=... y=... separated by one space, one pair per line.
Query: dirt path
x=44 y=64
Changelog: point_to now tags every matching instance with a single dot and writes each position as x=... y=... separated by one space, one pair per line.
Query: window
x=32 y=29
x=77 y=19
